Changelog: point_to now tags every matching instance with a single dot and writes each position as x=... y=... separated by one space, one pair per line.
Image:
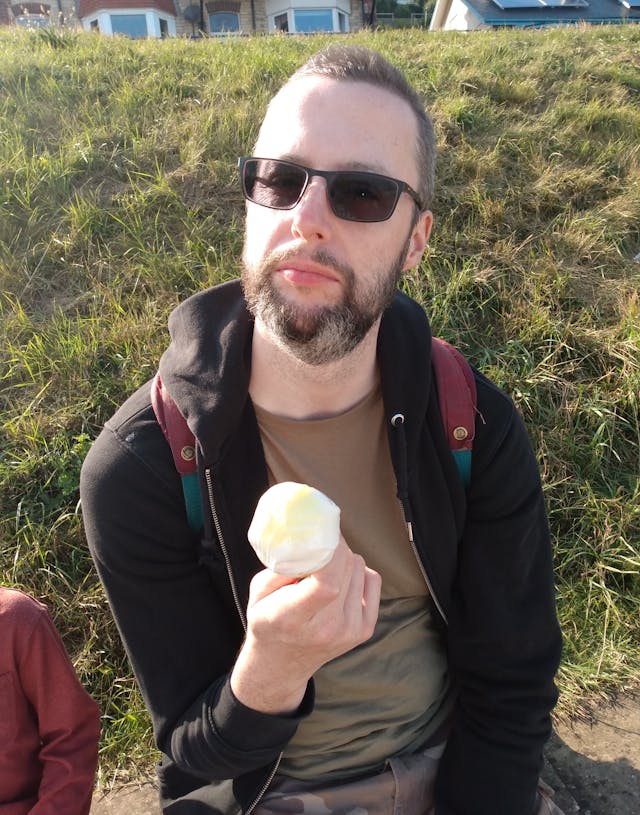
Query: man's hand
x=295 y=627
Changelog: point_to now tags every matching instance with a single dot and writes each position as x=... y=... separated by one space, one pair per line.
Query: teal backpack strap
x=458 y=399
x=192 y=500
x=183 y=448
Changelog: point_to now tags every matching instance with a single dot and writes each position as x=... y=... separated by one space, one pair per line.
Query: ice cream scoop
x=295 y=529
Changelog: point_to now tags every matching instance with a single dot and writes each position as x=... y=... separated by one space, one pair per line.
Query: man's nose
x=312 y=215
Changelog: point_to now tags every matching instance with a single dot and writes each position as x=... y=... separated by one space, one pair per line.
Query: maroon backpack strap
x=174 y=426
x=458 y=402
x=456 y=395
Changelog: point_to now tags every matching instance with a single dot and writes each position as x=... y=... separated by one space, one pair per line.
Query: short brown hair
x=358 y=64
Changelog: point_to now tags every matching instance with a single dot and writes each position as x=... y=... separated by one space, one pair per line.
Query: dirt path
x=594 y=766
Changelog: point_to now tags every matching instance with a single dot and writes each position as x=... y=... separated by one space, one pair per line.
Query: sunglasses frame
x=329 y=175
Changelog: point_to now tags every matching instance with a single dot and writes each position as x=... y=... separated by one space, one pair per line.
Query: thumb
x=267 y=582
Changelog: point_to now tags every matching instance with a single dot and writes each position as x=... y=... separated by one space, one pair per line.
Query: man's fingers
x=335 y=567
x=266 y=582
x=371 y=598
x=354 y=590
x=362 y=600
x=339 y=601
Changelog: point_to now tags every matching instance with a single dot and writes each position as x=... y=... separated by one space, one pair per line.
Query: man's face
x=317 y=282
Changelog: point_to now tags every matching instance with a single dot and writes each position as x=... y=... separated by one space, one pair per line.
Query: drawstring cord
x=402 y=477
x=402 y=481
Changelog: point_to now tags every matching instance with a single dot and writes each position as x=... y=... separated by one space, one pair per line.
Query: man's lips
x=305 y=274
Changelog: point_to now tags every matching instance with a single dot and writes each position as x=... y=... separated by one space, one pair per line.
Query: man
x=415 y=671
x=49 y=725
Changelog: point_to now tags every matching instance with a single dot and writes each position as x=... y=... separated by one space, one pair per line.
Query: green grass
x=118 y=198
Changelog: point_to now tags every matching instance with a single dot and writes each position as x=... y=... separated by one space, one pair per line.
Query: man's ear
x=418 y=240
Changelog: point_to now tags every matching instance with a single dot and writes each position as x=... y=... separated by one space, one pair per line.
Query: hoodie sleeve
x=175 y=616
x=503 y=636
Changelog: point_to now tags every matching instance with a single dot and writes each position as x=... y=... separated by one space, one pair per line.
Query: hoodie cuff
x=244 y=728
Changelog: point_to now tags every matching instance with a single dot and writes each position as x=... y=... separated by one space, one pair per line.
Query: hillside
x=118 y=198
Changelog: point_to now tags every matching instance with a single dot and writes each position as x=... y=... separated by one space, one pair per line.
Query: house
x=469 y=15
x=34 y=14
x=170 y=18
x=131 y=18
x=162 y=18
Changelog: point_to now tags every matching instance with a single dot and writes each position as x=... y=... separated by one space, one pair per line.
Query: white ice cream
x=295 y=529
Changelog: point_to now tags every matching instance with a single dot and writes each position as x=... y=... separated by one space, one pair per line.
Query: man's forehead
x=324 y=90
x=322 y=109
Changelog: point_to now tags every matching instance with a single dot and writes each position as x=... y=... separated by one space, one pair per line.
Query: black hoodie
x=179 y=600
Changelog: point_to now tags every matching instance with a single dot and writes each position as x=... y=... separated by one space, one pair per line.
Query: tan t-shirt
x=391 y=694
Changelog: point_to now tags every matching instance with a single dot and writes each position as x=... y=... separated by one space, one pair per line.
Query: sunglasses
x=353 y=195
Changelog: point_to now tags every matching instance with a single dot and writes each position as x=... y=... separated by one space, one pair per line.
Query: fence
x=391 y=20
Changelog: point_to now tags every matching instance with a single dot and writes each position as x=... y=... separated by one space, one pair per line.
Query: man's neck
x=283 y=385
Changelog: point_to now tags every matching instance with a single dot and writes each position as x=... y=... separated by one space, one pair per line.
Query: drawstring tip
x=410 y=531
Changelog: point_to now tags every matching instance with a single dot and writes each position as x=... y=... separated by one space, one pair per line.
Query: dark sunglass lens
x=272 y=183
x=363 y=197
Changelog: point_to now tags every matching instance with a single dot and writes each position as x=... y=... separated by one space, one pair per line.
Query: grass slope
x=118 y=198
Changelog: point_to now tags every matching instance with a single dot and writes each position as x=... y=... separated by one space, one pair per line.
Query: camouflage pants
x=405 y=787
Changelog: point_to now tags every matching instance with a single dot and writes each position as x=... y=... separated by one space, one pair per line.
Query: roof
x=88 y=7
x=595 y=11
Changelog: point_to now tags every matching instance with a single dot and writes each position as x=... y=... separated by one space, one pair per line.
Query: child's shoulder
x=15 y=604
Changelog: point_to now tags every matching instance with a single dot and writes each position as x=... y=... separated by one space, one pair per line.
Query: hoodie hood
x=207 y=366
x=404 y=357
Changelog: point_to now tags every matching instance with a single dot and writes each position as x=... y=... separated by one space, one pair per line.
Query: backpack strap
x=458 y=402
x=182 y=444
x=456 y=394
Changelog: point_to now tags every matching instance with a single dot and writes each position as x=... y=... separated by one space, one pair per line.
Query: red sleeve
x=68 y=723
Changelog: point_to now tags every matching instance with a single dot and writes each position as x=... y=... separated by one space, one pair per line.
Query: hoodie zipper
x=225 y=554
x=236 y=599
x=397 y=422
x=424 y=573
x=265 y=786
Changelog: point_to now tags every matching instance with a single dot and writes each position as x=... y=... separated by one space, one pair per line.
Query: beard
x=316 y=335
